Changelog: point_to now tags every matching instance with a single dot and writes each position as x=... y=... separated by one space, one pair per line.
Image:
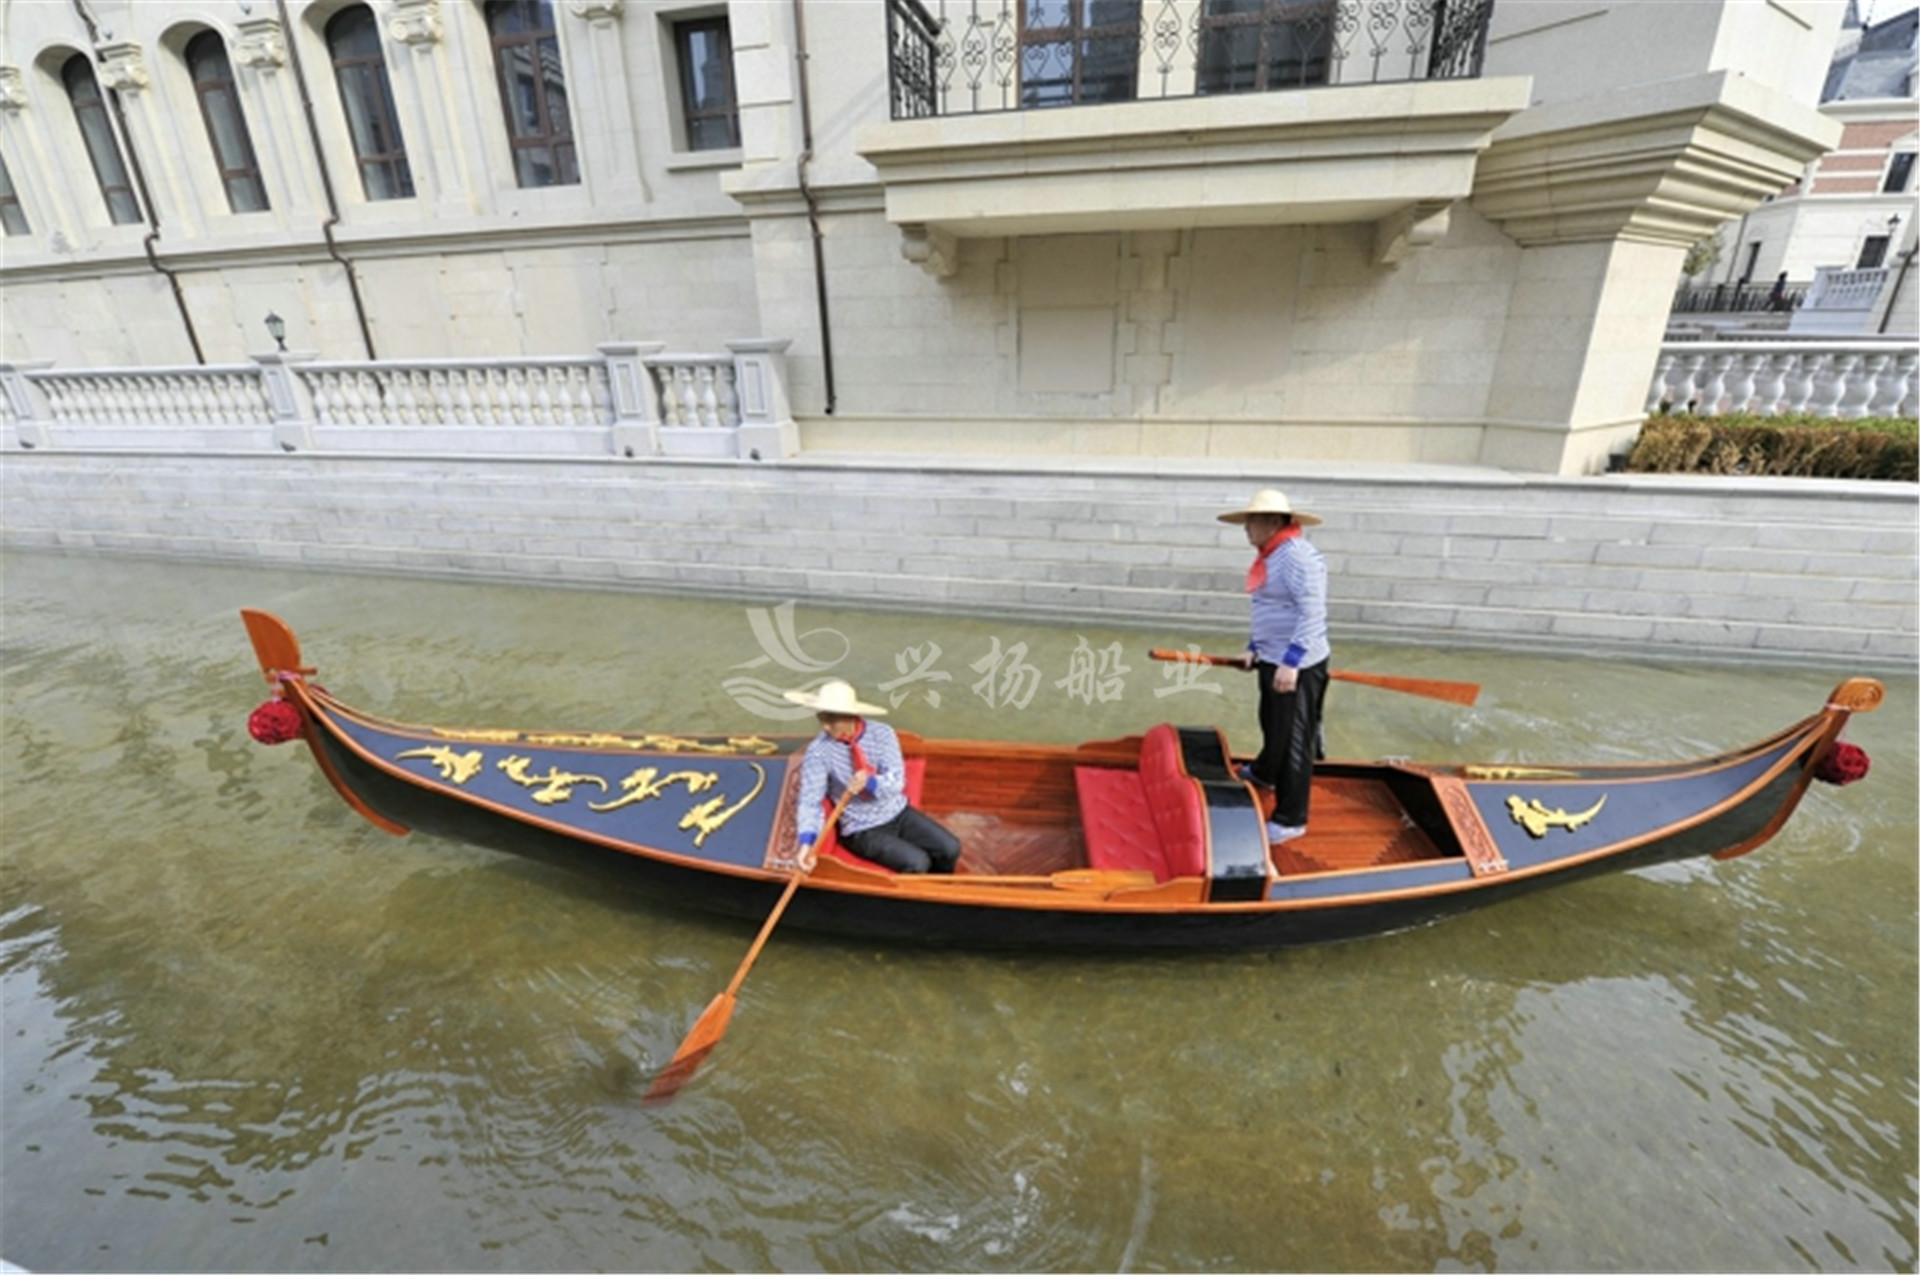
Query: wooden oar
x=712 y=1023
x=1432 y=688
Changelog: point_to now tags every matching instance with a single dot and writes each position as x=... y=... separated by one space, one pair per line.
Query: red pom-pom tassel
x=1843 y=764
x=274 y=722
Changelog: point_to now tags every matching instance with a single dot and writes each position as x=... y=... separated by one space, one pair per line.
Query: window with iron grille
x=103 y=148
x=1250 y=46
x=12 y=216
x=226 y=123
x=533 y=92
x=366 y=96
x=1078 y=52
x=707 y=100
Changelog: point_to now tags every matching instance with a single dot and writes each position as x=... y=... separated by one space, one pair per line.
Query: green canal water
x=245 y=1031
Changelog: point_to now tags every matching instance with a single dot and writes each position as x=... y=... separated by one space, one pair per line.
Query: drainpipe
x=806 y=194
x=146 y=195
x=326 y=179
x=1900 y=281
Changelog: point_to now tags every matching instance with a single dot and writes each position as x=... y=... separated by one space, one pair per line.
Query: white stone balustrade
x=458 y=392
x=630 y=401
x=1785 y=378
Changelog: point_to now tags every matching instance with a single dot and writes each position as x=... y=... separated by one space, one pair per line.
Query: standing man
x=851 y=752
x=1288 y=654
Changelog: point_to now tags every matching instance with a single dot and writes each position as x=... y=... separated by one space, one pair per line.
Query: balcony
x=1019 y=117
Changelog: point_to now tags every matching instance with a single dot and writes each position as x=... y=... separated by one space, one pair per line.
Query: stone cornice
x=1665 y=164
x=1364 y=153
x=369 y=246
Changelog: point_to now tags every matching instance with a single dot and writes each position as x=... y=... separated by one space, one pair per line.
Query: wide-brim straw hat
x=1269 y=501
x=835 y=697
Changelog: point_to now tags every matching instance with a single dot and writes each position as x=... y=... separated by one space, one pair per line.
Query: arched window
x=226 y=125
x=353 y=38
x=12 y=216
x=533 y=90
x=96 y=130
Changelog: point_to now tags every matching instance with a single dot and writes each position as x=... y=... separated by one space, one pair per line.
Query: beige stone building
x=1443 y=231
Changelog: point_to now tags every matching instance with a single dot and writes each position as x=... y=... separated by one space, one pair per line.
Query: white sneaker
x=1278 y=833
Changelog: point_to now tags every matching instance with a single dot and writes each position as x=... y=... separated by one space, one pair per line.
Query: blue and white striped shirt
x=1290 y=609
x=827 y=768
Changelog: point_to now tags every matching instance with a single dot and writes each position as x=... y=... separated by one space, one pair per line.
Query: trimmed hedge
x=1886 y=448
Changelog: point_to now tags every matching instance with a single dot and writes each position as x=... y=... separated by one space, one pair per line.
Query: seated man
x=853 y=753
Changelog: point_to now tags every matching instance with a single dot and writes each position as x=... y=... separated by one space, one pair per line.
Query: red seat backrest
x=1179 y=810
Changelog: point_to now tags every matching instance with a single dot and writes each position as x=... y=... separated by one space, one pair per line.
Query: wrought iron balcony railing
x=965 y=57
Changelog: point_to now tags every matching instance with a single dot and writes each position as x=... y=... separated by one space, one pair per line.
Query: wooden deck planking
x=1354 y=823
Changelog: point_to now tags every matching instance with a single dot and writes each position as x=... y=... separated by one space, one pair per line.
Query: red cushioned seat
x=1119 y=829
x=1179 y=809
x=1152 y=819
x=829 y=847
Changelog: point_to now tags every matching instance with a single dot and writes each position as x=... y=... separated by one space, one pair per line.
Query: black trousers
x=909 y=842
x=1290 y=740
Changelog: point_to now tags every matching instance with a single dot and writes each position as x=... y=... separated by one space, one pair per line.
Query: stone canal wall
x=1649 y=566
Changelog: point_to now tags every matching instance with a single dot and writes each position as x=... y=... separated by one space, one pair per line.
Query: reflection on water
x=245 y=1030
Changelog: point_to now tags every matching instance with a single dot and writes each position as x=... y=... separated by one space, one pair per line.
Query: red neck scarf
x=853 y=747
x=1257 y=573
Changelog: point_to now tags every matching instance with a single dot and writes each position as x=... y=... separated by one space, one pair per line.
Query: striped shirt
x=826 y=770
x=1290 y=609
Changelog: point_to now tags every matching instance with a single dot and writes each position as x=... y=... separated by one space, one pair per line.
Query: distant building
x=1381 y=230
x=1844 y=230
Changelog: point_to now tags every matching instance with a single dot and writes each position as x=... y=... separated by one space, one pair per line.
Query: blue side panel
x=717 y=808
x=1536 y=822
x=1412 y=876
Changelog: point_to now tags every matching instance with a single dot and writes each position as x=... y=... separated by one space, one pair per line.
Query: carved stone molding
x=13 y=90
x=931 y=248
x=598 y=12
x=262 y=45
x=123 y=68
x=415 y=22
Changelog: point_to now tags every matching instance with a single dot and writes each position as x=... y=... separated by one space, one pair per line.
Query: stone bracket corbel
x=415 y=23
x=1420 y=225
x=597 y=12
x=13 y=90
x=932 y=249
x=262 y=45
x=123 y=68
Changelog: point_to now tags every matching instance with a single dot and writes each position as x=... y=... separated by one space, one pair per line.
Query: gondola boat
x=1145 y=842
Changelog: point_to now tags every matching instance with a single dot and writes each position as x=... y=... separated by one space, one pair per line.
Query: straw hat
x=835 y=697
x=1269 y=501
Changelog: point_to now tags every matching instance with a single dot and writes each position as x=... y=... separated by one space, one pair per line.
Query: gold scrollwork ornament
x=454 y=767
x=1534 y=816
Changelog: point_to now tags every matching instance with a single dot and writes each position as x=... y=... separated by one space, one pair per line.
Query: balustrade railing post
x=287 y=398
x=767 y=430
x=1657 y=392
x=635 y=428
x=31 y=411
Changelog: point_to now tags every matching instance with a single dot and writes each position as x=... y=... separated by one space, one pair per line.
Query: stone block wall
x=1792 y=571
